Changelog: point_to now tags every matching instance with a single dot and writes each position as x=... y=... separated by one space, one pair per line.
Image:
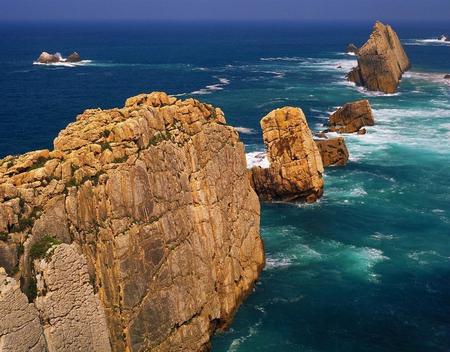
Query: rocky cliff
x=381 y=61
x=139 y=231
x=295 y=171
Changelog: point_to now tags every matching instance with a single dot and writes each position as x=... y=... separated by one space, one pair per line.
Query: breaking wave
x=213 y=87
x=65 y=63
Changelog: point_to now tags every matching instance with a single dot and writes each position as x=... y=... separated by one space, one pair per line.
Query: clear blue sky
x=225 y=9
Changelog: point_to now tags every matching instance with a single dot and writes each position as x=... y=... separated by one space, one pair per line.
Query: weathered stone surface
x=8 y=255
x=156 y=196
x=381 y=61
x=74 y=57
x=333 y=151
x=72 y=315
x=295 y=172
x=20 y=328
x=351 y=117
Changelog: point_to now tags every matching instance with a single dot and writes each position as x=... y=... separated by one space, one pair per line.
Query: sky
x=223 y=10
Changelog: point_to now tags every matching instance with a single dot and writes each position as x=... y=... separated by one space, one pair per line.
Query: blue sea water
x=367 y=268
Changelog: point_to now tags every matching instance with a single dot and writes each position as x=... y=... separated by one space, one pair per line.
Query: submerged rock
x=381 y=61
x=295 y=171
x=351 y=117
x=352 y=49
x=74 y=57
x=161 y=217
x=333 y=151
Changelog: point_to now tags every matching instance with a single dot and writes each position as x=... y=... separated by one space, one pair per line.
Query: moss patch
x=40 y=248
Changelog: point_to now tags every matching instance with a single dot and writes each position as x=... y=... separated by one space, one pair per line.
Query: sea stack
x=333 y=150
x=295 y=171
x=139 y=231
x=351 y=117
x=381 y=61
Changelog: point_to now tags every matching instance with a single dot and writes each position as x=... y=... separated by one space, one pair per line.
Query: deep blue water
x=365 y=269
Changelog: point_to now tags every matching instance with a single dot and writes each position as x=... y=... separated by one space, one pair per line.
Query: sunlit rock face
x=381 y=61
x=295 y=171
x=152 y=206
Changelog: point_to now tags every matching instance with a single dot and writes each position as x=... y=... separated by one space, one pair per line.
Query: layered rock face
x=158 y=225
x=381 y=61
x=295 y=172
x=351 y=117
x=333 y=151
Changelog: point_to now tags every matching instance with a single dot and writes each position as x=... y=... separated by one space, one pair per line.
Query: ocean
x=367 y=268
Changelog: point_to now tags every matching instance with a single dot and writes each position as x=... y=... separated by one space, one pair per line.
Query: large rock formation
x=333 y=150
x=295 y=171
x=163 y=222
x=351 y=117
x=381 y=61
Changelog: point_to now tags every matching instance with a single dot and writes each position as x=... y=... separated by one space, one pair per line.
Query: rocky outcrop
x=46 y=58
x=156 y=198
x=20 y=326
x=381 y=61
x=74 y=57
x=351 y=117
x=295 y=171
x=352 y=49
x=333 y=150
x=447 y=76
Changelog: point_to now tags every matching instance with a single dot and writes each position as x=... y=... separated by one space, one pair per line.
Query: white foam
x=427 y=76
x=257 y=159
x=64 y=63
x=213 y=87
x=284 y=58
x=245 y=130
x=427 y=42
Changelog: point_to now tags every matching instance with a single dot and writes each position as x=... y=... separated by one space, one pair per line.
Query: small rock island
x=47 y=58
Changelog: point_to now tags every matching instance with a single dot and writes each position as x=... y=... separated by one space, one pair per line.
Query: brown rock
x=381 y=61
x=447 y=76
x=351 y=117
x=295 y=172
x=74 y=57
x=333 y=151
x=156 y=197
x=46 y=58
x=362 y=131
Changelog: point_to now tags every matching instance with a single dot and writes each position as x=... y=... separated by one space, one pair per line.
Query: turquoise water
x=367 y=268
